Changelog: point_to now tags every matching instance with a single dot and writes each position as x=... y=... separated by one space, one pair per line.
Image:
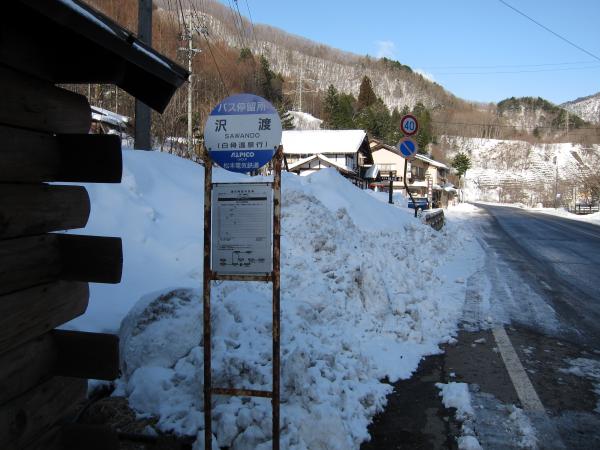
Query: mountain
x=237 y=55
x=310 y=66
x=588 y=108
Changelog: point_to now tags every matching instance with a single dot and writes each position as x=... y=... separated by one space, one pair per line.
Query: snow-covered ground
x=520 y=171
x=367 y=291
x=559 y=212
x=590 y=218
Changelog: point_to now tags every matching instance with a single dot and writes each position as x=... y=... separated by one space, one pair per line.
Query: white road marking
x=525 y=390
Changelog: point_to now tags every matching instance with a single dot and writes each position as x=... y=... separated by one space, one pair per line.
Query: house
x=429 y=178
x=45 y=274
x=425 y=177
x=347 y=151
x=389 y=163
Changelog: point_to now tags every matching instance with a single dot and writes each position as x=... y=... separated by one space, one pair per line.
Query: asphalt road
x=559 y=258
x=539 y=283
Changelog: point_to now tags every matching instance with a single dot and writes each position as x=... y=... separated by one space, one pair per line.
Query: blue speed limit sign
x=409 y=125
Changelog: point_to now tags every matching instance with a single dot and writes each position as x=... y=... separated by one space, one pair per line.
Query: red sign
x=409 y=125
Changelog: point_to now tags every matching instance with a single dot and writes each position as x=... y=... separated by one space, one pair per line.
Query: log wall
x=44 y=272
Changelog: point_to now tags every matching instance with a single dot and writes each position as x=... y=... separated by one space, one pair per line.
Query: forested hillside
x=236 y=55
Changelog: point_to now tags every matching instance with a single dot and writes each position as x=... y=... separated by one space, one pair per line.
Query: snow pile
x=494 y=425
x=365 y=295
x=305 y=121
x=456 y=395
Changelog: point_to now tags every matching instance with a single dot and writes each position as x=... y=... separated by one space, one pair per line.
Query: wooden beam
x=26 y=366
x=28 y=261
x=96 y=259
x=62 y=353
x=29 y=209
x=27 y=314
x=86 y=355
x=28 y=102
x=27 y=418
x=89 y=437
x=31 y=157
x=76 y=436
x=34 y=260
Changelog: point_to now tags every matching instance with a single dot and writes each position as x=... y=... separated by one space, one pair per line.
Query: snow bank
x=590 y=218
x=456 y=395
x=367 y=291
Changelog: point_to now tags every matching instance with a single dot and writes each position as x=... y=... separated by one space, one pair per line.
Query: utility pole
x=300 y=88
x=142 y=111
x=191 y=51
x=555 y=182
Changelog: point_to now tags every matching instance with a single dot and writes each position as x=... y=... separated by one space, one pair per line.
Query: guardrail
x=584 y=209
x=435 y=219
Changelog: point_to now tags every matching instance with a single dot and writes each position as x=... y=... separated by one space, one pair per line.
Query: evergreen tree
x=366 y=95
x=375 y=120
x=461 y=162
x=287 y=120
x=338 y=110
x=271 y=84
x=425 y=134
x=330 y=106
x=344 y=117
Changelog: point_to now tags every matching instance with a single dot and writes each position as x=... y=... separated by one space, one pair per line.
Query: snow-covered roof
x=322 y=141
x=378 y=145
x=372 y=172
x=323 y=158
x=432 y=162
x=74 y=43
x=104 y=115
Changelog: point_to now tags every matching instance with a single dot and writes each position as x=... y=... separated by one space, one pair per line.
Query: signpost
x=409 y=125
x=408 y=147
x=242 y=133
x=242 y=222
x=242 y=233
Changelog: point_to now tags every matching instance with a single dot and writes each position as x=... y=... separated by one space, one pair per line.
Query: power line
x=549 y=30
x=499 y=66
x=216 y=65
x=252 y=24
x=507 y=126
x=238 y=27
x=242 y=26
x=495 y=72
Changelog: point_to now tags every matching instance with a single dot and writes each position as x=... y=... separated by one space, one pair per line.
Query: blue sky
x=477 y=49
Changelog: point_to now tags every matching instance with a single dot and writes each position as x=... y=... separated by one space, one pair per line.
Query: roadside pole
x=408 y=148
x=143 y=116
x=242 y=227
x=407 y=191
x=391 y=188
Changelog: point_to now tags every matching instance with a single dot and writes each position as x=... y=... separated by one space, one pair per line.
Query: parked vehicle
x=421 y=203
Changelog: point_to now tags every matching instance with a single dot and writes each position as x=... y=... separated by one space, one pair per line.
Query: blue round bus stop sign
x=242 y=133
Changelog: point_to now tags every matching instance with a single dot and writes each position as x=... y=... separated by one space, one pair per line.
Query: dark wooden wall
x=44 y=274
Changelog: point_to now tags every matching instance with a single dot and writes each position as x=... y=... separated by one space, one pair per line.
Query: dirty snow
x=589 y=369
x=367 y=291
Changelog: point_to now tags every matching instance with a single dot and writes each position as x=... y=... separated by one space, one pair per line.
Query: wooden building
x=44 y=274
x=347 y=151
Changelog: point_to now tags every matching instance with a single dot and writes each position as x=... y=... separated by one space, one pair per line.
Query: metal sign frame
x=274 y=277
